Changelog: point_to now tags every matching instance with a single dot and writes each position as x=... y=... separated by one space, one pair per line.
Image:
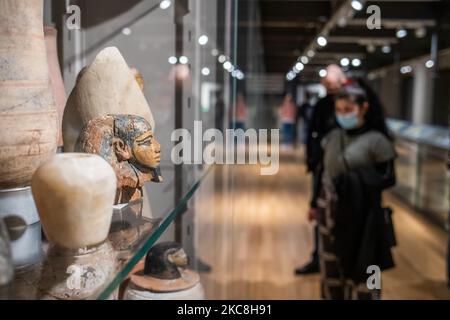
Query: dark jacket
x=322 y=122
x=360 y=230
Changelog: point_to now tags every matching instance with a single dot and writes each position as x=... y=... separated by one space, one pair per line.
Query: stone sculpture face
x=134 y=142
x=147 y=150
x=128 y=144
x=179 y=258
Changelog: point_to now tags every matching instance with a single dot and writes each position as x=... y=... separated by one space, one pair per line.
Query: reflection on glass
x=6 y=267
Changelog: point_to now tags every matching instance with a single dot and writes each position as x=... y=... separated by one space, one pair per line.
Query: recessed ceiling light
x=126 y=31
x=401 y=33
x=345 y=62
x=173 y=60
x=356 y=62
x=322 y=41
x=227 y=65
x=203 y=40
x=299 y=66
x=206 y=71
x=290 y=76
x=184 y=60
x=323 y=73
x=405 y=69
x=240 y=75
x=386 y=49
x=357 y=5
x=165 y=4
x=222 y=58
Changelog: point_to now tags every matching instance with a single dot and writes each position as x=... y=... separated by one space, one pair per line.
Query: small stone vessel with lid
x=165 y=276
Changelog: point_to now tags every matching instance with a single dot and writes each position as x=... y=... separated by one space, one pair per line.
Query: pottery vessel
x=27 y=110
x=165 y=276
x=105 y=87
x=57 y=83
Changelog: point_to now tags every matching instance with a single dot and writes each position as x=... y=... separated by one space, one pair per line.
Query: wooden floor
x=253 y=231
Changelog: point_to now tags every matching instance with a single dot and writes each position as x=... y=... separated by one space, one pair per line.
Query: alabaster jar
x=74 y=195
x=27 y=109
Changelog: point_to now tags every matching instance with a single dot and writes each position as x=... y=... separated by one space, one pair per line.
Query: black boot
x=310 y=268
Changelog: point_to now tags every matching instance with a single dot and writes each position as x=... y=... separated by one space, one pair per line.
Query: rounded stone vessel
x=27 y=109
x=74 y=195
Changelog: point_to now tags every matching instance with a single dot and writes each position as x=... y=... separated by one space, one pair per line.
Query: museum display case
x=123 y=81
x=422 y=176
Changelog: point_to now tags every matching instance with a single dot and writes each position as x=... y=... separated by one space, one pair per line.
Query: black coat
x=360 y=231
x=323 y=120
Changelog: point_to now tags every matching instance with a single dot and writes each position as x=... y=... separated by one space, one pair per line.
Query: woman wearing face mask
x=358 y=166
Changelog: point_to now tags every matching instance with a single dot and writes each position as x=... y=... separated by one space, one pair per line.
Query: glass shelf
x=131 y=236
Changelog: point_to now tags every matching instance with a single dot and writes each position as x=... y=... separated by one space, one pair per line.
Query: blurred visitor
x=238 y=120
x=322 y=122
x=305 y=113
x=355 y=231
x=288 y=116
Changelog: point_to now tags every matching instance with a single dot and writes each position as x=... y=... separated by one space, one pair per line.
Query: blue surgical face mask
x=349 y=121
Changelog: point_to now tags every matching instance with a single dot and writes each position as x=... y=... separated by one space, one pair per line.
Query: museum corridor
x=256 y=235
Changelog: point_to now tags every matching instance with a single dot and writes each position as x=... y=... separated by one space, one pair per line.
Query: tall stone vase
x=27 y=110
x=74 y=194
x=57 y=83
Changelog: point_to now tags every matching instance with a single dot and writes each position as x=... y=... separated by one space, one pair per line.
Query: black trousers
x=316 y=187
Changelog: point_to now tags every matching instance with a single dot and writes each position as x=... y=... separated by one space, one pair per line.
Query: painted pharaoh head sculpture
x=128 y=144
